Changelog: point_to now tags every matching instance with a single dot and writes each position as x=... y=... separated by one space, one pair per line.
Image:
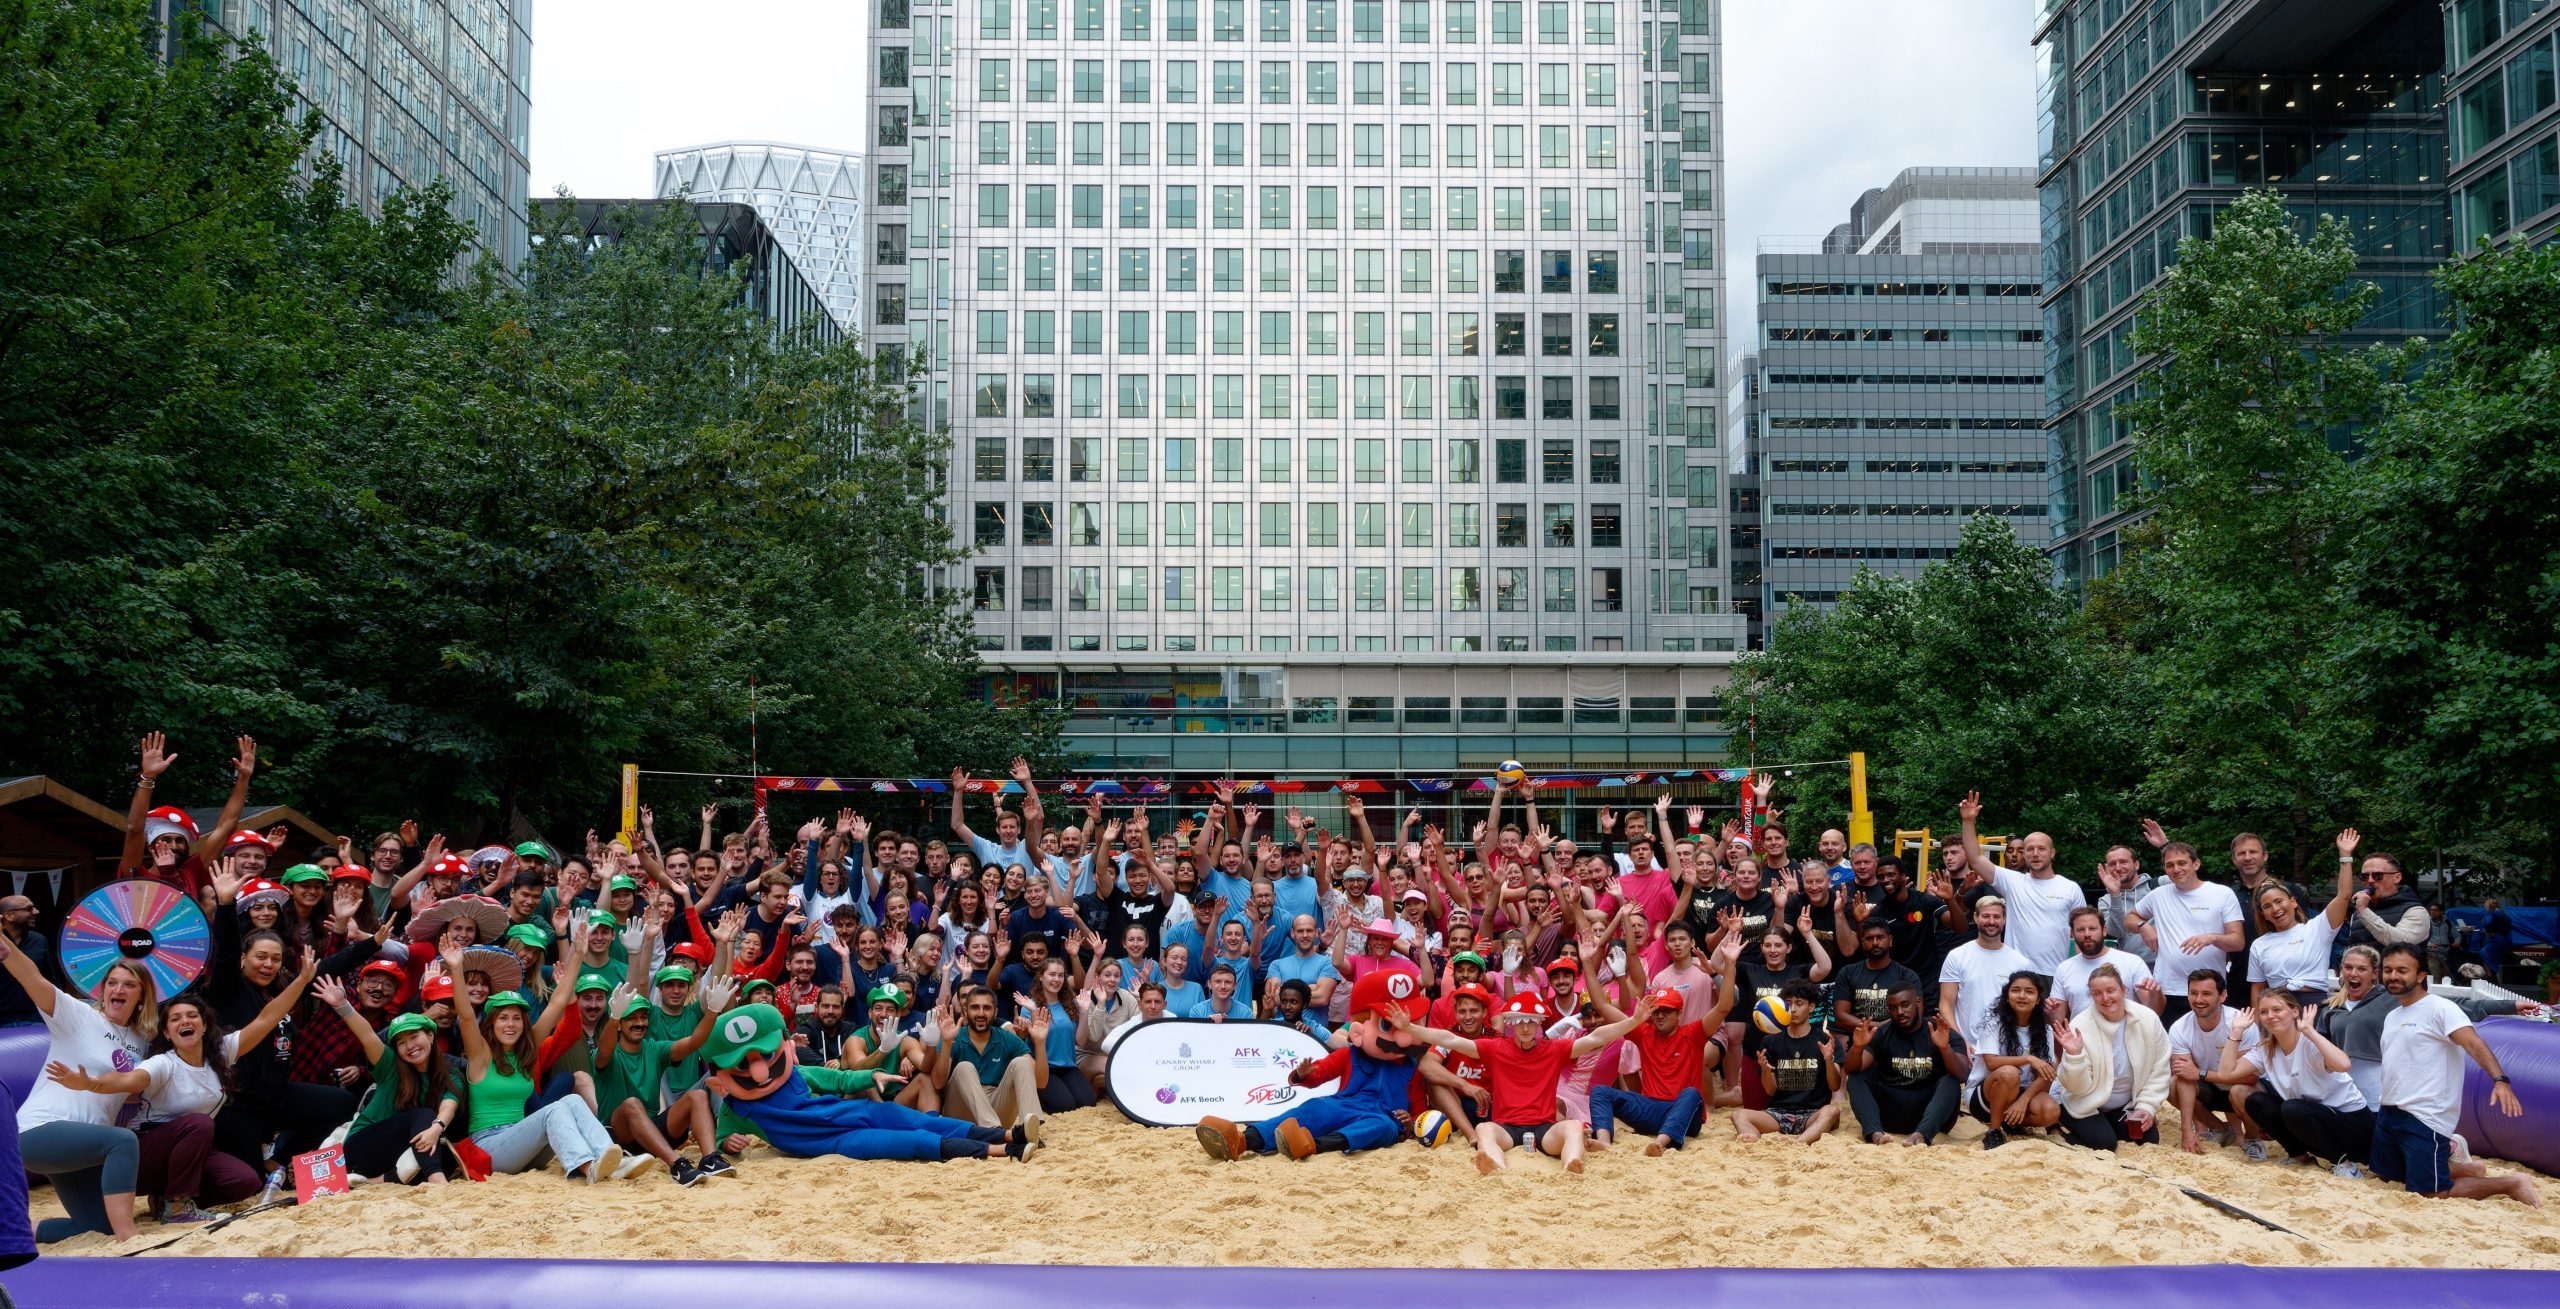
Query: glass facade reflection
x=2502 y=128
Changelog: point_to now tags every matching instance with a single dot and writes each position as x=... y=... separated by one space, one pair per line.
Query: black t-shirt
x=1121 y=909
x=1755 y=916
x=1761 y=981
x=1866 y=988
x=1796 y=1063
x=1916 y=921
x=1909 y=1060
x=1051 y=926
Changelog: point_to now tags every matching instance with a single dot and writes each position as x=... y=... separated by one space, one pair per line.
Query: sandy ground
x=1106 y=1191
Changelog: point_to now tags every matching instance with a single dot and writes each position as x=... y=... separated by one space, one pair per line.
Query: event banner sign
x=1175 y=1071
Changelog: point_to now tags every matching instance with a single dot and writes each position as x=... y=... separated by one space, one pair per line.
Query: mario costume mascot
x=755 y=1065
x=1375 y=1102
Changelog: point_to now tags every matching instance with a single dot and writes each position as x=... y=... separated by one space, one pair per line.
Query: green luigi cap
x=603 y=918
x=620 y=882
x=1468 y=957
x=505 y=1000
x=536 y=850
x=747 y=1029
x=407 y=1023
x=532 y=934
x=304 y=873
x=671 y=973
x=593 y=982
x=635 y=1005
x=755 y=984
x=888 y=992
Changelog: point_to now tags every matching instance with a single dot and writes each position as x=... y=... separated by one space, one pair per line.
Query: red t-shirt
x=1523 y=1082
x=1673 y=1063
x=192 y=876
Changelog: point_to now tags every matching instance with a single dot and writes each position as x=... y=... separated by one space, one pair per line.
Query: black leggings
x=297 y=1119
x=373 y=1151
x=1068 y=1088
x=2102 y=1130
x=2310 y=1127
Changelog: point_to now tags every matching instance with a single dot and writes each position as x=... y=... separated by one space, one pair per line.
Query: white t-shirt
x=2304 y=1074
x=179 y=1088
x=2176 y=915
x=81 y=1037
x=2039 y=914
x=2187 y=1037
x=1979 y=975
x=2071 y=976
x=2295 y=959
x=2421 y=1066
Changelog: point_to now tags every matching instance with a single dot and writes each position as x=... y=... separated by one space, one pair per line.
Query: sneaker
x=2291 y=1160
x=185 y=1211
x=1994 y=1139
x=604 y=1164
x=684 y=1173
x=2461 y=1149
x=634 y=1166
x=407 y=1167
x=713 y=1165
x=2349 y=1168
x=2256 y=1150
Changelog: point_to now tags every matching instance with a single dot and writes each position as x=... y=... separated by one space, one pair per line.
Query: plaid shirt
x=323 y=1044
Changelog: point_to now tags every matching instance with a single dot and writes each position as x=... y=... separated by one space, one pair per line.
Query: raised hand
x=155 y=756
x=1861 y=1030
x=331 y=991
x=1970 y=808
x=731 y=923
x=2347 y=843
x=710 y=810
x=409 y=831
x=1352 y=806
x=1021 y=771
x=248 y=762
x=2108 y=878
x=2152 y=834
x=718 y=993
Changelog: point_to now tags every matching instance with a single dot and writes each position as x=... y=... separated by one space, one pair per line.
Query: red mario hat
x=436 y=990
x=1471 y=991
x=1527 y=1007
x=169 y=820
x=241 y=838
x=1373 y=993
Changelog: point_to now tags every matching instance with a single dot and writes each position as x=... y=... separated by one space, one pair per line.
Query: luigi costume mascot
x=755 y=1066
x=1376 y=1068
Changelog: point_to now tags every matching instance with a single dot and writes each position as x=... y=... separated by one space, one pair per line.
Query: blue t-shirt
x=1246 y=971
x=1179 y=999
x=1238 y=1008
x=1187 y=935
x=991 y=854
x=1308 y=968
x=1076 y=874
x=1290 y=897
x=1062 y=1037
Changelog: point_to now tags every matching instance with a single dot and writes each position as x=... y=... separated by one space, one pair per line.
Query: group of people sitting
x=647 y=1005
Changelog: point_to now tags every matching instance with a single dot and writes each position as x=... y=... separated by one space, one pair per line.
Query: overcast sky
x=1823 y=98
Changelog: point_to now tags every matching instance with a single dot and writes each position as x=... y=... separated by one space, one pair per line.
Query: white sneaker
x=2461 y=1149
x=635 y=1166
x=2256 y=1150
x=407 y=1167
x=605 y=1163
x=2348 y=1168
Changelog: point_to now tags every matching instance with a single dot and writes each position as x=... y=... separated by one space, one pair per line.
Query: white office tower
x=1283 y=331
x=810 y=200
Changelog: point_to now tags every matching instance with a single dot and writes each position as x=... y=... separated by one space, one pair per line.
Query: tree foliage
x=453 y=547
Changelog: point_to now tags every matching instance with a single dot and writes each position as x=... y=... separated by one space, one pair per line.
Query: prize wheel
x=149 y=922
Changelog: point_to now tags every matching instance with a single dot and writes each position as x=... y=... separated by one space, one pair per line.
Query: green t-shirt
x=630 y=1075
x=612 y=970
x=498 y=1098
x=674 y=1027
x=888 y=1062
x=386 y=1086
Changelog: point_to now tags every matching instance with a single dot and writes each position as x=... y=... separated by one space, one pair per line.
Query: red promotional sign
x=321 y=1172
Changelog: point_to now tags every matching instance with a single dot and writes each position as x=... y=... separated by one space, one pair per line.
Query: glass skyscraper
x=1900 y=383
x=2504 y=136
x=409 y=92
x=809 y=203
x=2156 y=113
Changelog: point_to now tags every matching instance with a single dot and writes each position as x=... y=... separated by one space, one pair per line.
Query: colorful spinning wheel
x=152 y=923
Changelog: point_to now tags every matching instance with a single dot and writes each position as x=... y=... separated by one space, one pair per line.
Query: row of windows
x=1280 y=82
x=1908 y=467
x=1276 y=145
x=1323 y=644
x=1779 y=334
x=1778 y=286
x=1897 y=423
x=1277 y=462
x=1279 y=394
x=1418 y=209
x=1432 y=710
x=1321 y=20
x=2520 y=93
x=1280 y=524
x=1897 y=509
x=1903 y=379
x=1878 y=553
x=1417 y=333
x=1276 y=589
x=2513 y=194
x=1286 y=269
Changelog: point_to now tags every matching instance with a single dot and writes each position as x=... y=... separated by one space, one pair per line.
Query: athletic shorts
x=1467 y=1109
x=1528 y=1134
x=2411 y=1153
x=1974 y=1105
x=1791 y=1123
x=2212 y=1095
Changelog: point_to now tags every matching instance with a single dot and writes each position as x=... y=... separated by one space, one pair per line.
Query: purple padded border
x=51 y=1283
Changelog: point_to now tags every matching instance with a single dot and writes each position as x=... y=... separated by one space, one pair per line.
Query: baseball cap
x=504 y=1000
x=1468 y=957
x=535 y=850
x=532 y=934
x=620 y=882
x=630 y=1005
x=747 y=1029
x=1666 y=998
x=889 y=992
x=594 y=982
x=304 y=873
x=436 y=989
x=407 y=1023
x=671 y=973
x=603 y=918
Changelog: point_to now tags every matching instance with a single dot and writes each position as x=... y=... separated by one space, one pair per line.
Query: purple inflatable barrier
x=500 y=1283
x=2529 y=1052
x=22 y=1059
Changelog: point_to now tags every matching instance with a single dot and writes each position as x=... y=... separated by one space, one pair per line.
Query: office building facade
x=731 y=235
x=1312 y=327
x=1742 y=499
x=1900 y=383
x=808 y=202
x=2501 y=125
x=2153 y=115
x=409 y=92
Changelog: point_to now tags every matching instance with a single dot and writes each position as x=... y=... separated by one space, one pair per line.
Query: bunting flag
x=1161 y=788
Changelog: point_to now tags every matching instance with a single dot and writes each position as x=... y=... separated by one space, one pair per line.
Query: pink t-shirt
x=1697 y=988
x=1574 y=1091
x=1361 y=965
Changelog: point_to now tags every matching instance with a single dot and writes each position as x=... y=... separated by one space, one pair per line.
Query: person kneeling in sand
x=1797 y=1071
x=1523 y=1072
x=756 y=1068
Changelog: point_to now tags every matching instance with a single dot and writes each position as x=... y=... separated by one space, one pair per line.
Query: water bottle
x=275 y=1183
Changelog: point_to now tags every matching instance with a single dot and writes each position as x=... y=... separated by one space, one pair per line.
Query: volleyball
x=1432 y=1128
x=1511 y=773
x=1770 y=1015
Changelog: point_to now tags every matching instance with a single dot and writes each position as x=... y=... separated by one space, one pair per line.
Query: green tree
x=2234 y=602
x=2451 y=566
x=1974 y=675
